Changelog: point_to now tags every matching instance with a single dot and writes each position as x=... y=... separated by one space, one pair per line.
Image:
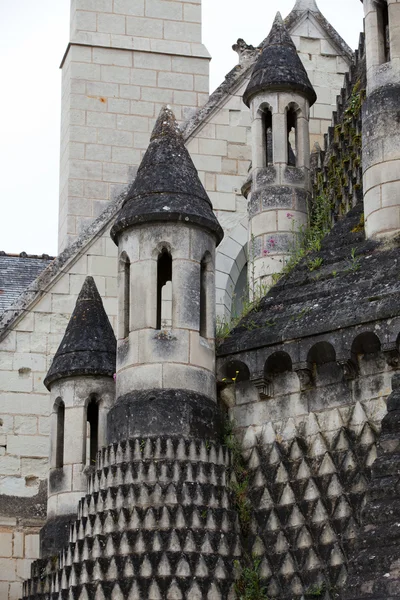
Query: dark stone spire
x=279 y=67
x=89 y=345
x=167 y=187
x=374 y=572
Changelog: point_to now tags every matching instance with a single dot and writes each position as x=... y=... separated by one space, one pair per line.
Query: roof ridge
x=38 y=288
x=43 y=256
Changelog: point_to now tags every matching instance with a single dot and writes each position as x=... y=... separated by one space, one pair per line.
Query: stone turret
x=158 y=520
x=82 y=389
x=166 y=233
x=374 y=573
x=279 y=95
x=381 y=128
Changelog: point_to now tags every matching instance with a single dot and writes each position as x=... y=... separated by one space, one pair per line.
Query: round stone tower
x=82 y=389
x=279 y=96
x=381 y=126
x=166 y=234
x=158 y=519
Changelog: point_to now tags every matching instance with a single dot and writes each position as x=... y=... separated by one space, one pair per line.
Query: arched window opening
x=365 y=344
x=235 y=371
x=268 y=140
x=291 y=117
x=92 y=431
x=59 y=458
x=278 y=363
x=203 y=298
x=164 y=290
x=124 y=308
x=325 y=369
x=322 y=353
x=383 y=31
x=278 y=371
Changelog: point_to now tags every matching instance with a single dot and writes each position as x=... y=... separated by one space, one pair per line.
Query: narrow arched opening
x=322 y=357
x=125 y=298
x=164 y=290
x=92 y=416
x=278 y=363
x=291 y=121
x=366 y=353
x=235 y=371
x=383 y=31
x=206 y=282
x=321 y=353
x=278 y=371
x=268 y=137
x=59 y=408
x=366 y=343
x=203 y=298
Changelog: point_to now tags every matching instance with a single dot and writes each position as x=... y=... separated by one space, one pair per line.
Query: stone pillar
x=125 y=59
x=374 y=572
x=381 y=130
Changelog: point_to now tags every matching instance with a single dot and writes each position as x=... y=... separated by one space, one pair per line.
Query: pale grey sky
x=33 y=38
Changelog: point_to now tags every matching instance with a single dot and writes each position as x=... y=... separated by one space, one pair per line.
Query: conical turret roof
x=167 y=186
x=279 y=67
x=89 y=345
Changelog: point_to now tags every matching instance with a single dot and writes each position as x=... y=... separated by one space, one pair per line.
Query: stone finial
x=303 y=5
x=245 y=51
x=167 y=187
x=89 y=345
x=279 y=67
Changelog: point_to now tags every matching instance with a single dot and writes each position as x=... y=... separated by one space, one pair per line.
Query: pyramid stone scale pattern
x=157 y=522
x=308 y=485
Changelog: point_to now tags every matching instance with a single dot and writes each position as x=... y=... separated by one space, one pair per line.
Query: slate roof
x=279 y=67
x=89 y=346
x=17 y=271
x=167 y=187
x=358 y=282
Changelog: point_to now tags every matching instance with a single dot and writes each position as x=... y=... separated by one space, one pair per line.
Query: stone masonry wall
x=25 y=357
x=309 y=451
x=126 y=59
x=325 y=66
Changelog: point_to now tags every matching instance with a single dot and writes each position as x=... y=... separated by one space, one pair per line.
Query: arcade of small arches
x=322 y=365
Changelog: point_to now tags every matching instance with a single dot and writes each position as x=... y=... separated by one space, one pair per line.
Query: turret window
x=268 y=139
x=383 y=31
x=92 y=431
x=164 y=290
x=203 y=298
x=292 y=137
x=125 y=282
x=60 y=424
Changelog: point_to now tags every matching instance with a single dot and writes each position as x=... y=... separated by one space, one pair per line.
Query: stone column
x=381 y=130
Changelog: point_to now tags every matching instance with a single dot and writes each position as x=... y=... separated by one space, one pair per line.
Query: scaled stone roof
x=279 y=67
x=167 y=187
x=358 y=282
x=16 y=273
x=89 y=345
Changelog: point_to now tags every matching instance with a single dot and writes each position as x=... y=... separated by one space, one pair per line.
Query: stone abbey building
x=142 y=456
